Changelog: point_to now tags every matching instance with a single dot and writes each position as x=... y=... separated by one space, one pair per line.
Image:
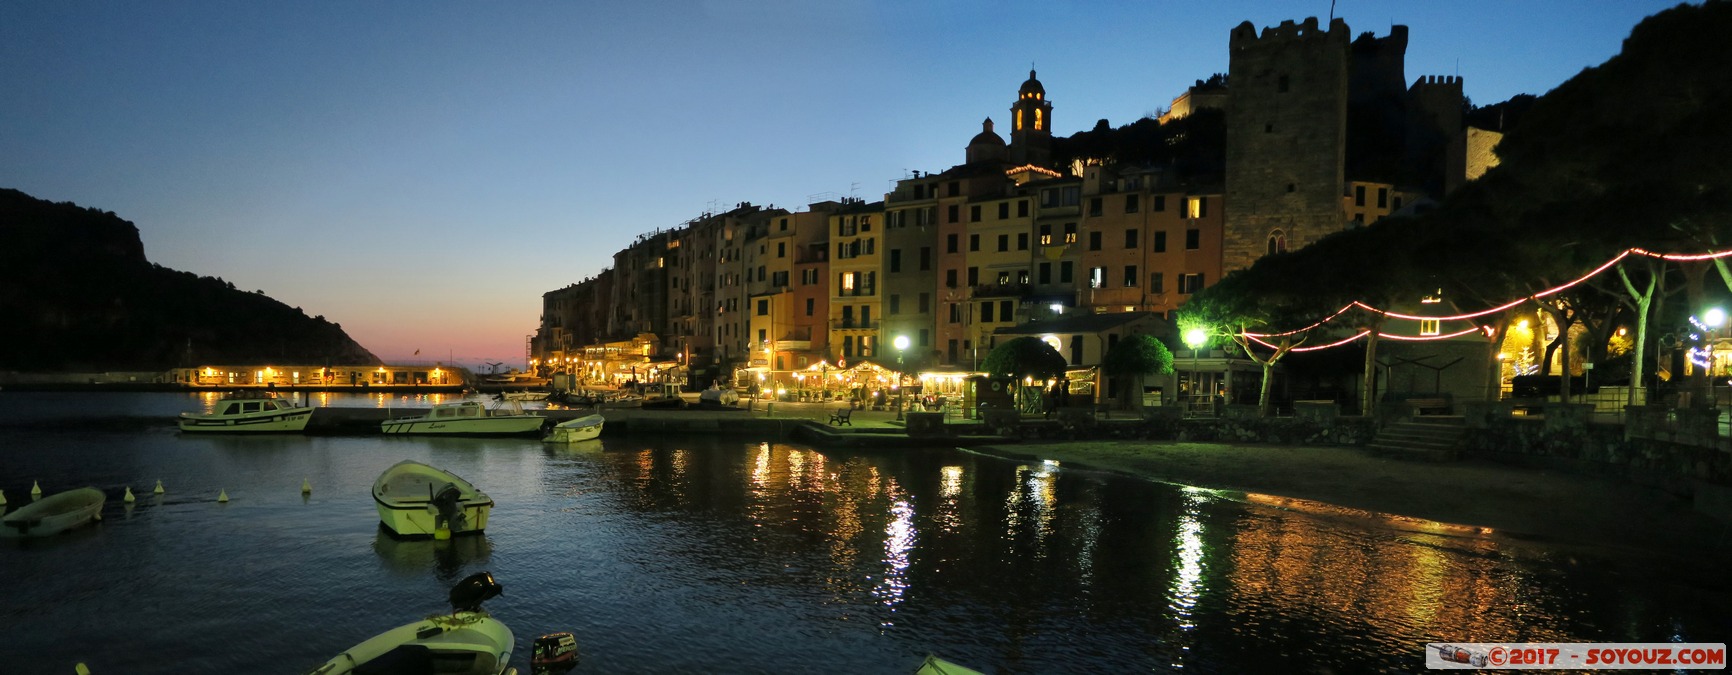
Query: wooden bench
x=1429 y=406
x=843 y=416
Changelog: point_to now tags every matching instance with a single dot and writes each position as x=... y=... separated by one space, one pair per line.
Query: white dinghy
x=468 y=641
x=419 y=500
x=583 y=428
x=54 y=514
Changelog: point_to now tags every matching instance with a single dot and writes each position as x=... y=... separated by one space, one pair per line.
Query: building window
x=974 y=213
x=1359 y=195
x=1130 y=276
x=1022 y=208
x=782 y=246
x=974 y=276
x=986 y=312
x=1157 y=283
x=763 y=308
x=1004 y=313
x=1277 y=242
x=955 y=312
x=925 y=302
x=1095 y=240
x=810 y=305
x=1196 y=207
x=950 y=278
x=1003 y=210
x=1003 y=278
x=950 y=243
x=1022 y=241
x=1046 y=235
x=1130 y=238
x=1429 y=327
x=926 y=258
x=1045 y=270
x=1160 y=243
x=1193 y=239
x=1097 y=277
x=954 y=213
x=1094 y=206
x=895 y=260
x=846 y=281
x=1131 y=204
x=1190 y=283
x=1003 y=243
x=1070 y=233
x=1160 y=202
x=973 y=243
x=895 y=304
x=1064 y=272
x=1382 y=197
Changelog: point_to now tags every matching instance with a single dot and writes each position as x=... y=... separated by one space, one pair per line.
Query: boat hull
x=514 y=425
x=405 y=497
x=54 y=514
x=276 y=421
x=465 y=643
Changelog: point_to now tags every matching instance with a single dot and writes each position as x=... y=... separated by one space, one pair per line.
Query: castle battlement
x=1437 y=80
x=1244 y=36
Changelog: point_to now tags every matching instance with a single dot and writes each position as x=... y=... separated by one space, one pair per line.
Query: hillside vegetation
x=77 y=294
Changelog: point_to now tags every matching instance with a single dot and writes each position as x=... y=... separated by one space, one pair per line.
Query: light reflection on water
x=704 y=555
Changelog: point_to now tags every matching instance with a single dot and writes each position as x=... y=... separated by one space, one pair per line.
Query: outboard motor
x=448 y=502
x=473 y=590
x=553 y=654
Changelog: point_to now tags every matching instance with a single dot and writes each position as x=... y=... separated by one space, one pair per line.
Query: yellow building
x=856 y=266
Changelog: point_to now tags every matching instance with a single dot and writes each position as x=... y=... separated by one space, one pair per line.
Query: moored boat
x=937 y=666
x=54 y=514
x=468 y=417
x=583 y=428
x=249 y=411
x=419 y=500
x=469 y=641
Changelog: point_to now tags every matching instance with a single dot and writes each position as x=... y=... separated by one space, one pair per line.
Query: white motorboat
x=468 y=417
x=249 y=411
x=583 y=428
x=469 y=641
x=418 y=500
x=525 y=396
x=54 y=514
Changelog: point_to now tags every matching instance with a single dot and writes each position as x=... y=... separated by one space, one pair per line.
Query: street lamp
x=1195 y=338
x=901 y=343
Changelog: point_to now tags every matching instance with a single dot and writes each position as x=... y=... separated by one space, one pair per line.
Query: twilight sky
x=421 y=172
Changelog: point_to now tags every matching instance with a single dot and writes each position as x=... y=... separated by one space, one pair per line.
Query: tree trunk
x=1368 y=397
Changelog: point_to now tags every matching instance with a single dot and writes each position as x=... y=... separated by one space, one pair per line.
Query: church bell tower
x=1031 y=125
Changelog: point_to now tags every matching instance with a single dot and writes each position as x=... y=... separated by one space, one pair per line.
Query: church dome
x=1032 y=88
x=986 y=135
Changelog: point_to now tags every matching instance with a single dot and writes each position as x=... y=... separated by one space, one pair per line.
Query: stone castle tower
x=1031 y=125
x=1311 y=113
x=1286 y=137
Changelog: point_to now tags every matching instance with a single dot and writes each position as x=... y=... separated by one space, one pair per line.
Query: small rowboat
x=581 y=429
x=54 y=514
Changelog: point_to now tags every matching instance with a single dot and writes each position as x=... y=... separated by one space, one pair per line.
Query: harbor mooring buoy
x=306 y=486
x=35 y=489
x=129 y=498
x=158 y=489
x=222 y=496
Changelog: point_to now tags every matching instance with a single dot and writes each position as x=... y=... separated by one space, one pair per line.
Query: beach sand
x=1556 y=507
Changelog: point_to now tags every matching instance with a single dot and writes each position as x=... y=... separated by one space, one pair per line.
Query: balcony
x=1006 y=290
x=853 y=324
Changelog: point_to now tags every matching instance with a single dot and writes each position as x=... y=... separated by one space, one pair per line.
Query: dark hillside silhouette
x=78 y=294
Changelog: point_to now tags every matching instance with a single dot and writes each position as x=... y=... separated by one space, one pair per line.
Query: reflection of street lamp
x=1195 y=338
x=901 y=343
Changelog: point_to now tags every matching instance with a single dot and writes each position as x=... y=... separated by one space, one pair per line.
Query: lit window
x=1429 y=327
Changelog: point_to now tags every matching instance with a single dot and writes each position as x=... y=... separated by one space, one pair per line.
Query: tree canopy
x=1138 y=355
x=1024 y=357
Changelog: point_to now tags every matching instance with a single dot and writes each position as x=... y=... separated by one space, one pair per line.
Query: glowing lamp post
x=901 y=343
x=1195 y=338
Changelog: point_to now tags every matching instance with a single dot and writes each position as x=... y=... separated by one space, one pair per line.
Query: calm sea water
x=737 y=556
